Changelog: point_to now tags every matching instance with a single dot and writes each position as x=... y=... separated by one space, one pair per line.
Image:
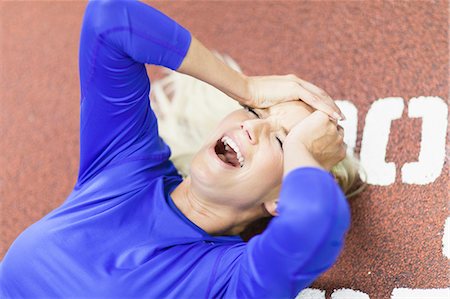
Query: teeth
x=229 y=142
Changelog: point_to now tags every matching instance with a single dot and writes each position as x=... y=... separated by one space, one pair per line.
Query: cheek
x=232 y=121
x=270 y=166
x=277 y=170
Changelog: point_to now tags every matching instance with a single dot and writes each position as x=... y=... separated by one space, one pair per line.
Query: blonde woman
x=189 y=110
x=134 y=228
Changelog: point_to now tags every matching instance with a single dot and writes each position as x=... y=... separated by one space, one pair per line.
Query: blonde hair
x=189 y=109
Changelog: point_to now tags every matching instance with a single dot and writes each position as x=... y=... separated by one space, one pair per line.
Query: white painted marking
x=311 y=294
x=349 y=294
x=350 y=124
x=433 y=112
x=446 y=239
x=403 y=293
x=375 y=140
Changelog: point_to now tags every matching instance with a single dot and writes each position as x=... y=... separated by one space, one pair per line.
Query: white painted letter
x=433 y=112
x=311 y=294
x=350 y=124
x=375 y=140
x=446 y=239
x=403 y=293
x=349 y=294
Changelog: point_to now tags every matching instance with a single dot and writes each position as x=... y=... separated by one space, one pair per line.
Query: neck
x=213 y=218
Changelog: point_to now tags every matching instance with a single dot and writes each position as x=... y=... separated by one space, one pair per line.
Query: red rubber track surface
x=356 y=51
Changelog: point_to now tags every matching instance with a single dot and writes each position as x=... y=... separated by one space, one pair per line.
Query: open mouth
x=228 y=152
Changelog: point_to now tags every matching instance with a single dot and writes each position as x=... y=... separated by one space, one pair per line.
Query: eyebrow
x=286 y=132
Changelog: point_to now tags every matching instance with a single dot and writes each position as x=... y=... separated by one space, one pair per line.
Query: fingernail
x=337 y=116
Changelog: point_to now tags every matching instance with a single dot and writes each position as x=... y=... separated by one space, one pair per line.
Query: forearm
x=203 y=65
x=298 y=156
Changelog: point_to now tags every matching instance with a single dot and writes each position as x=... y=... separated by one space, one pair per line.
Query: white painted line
x=349 y=294
x=404 y=293
x=433 y=112
x=446 y=239
x=350 y=124
x=311 y=294
x=375 y=139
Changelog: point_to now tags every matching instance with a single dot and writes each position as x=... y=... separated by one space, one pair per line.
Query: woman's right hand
x=315 y=141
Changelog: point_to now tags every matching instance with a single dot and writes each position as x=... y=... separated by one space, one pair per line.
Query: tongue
x=230 y=157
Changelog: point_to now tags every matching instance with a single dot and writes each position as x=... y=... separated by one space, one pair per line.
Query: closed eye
x=253 y=111
x=257 y=115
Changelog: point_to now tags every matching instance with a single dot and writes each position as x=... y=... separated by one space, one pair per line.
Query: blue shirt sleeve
x=302 y=242
x=116 y=122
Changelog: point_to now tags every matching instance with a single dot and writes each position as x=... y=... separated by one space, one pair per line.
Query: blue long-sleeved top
x=119 y=234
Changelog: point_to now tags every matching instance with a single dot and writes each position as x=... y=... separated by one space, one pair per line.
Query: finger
x=321 y=95
x=336 y=132
x=318 y=119
x=320 y=116
x=326 y=99
x=336 y=108
x=340 y=130
x=316 y=103
x=310 y=86
x=333 y=120
x=319 y=104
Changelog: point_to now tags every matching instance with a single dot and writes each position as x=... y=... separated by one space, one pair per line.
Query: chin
x=201 y=170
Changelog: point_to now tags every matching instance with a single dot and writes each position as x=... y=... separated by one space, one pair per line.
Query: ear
x=271 y=206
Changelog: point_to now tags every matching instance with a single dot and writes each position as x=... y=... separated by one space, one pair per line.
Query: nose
x=255 y=129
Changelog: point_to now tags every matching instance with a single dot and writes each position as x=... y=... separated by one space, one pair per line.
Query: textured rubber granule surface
x=361 y=52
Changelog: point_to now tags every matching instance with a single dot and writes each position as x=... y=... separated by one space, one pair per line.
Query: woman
x=133 y=228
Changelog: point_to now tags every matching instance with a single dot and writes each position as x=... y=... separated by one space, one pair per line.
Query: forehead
x=289 y=113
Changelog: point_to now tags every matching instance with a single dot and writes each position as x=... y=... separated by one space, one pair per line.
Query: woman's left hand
x=323 y=140
x=266 y=91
